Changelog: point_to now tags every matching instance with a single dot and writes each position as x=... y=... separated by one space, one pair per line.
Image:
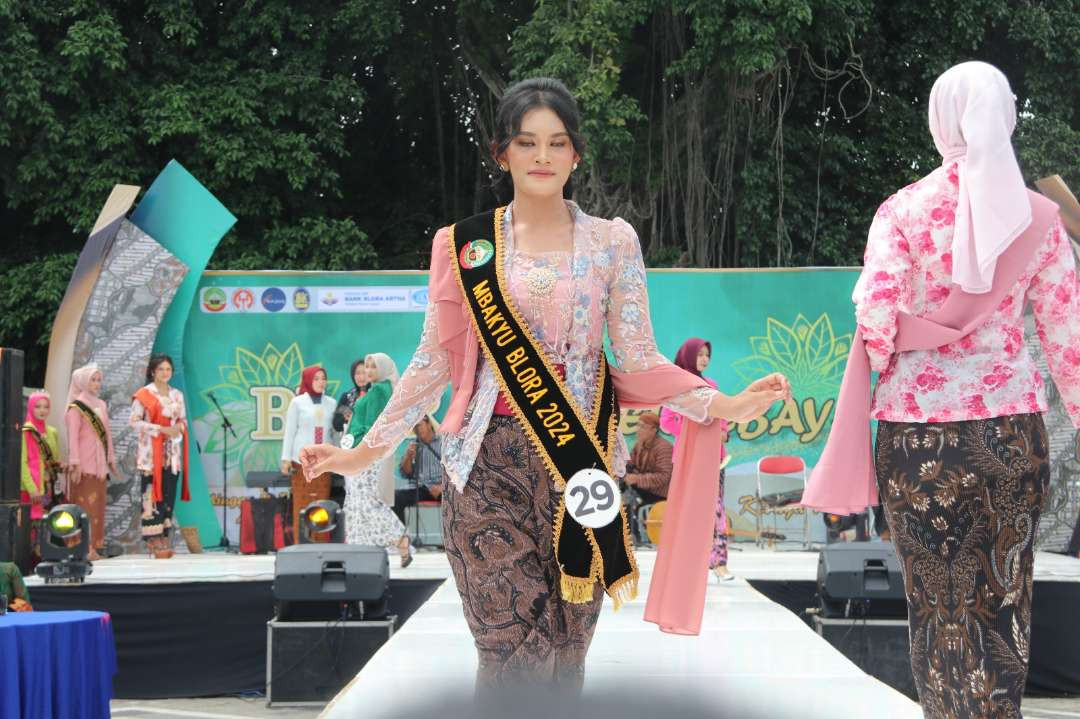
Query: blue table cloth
x=56 y=665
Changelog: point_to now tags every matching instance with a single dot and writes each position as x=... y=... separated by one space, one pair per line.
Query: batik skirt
x=963 y=500
x=157 y=516
x=499 y=540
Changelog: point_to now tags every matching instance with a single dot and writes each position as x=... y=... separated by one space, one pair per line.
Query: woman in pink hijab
x=962 y=458
x=41 y=465
x=91 y=457
x=694 y=357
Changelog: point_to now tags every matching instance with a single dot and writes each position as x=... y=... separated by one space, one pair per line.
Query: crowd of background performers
x=375 y=510
x=374 y=507
x=157 y=415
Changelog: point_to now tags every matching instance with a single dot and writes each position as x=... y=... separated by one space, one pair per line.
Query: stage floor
x=747 y=562
x=752 y=654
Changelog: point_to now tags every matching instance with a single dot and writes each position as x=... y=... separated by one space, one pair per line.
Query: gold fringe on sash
x=576 y=590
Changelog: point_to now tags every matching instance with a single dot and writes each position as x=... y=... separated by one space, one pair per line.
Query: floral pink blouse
x=173 y=405
x=989 y=373
x=568 y=299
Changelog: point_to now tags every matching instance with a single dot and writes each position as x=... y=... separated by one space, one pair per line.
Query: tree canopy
x=341 y=134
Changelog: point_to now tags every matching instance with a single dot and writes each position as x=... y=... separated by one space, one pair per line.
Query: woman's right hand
x=753 y=401
x=317 y=459
x=750 y=404
x=286 y=466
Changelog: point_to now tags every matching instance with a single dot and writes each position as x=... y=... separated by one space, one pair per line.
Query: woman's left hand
x=775 y=382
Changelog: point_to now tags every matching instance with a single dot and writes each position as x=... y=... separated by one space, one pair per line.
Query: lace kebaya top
x=568 y=299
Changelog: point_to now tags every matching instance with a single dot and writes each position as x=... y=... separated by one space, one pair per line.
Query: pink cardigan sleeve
x=73 y=420
x=1054 y=294
x=884 y=286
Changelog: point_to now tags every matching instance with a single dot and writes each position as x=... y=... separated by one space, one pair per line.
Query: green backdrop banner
x=249 y=335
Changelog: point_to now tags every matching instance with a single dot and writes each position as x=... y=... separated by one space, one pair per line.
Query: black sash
x=95 y=422
x=546 y=410
x=51 y=465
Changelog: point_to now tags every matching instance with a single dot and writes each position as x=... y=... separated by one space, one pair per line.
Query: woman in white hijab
x=369 y=495
x=962 y=456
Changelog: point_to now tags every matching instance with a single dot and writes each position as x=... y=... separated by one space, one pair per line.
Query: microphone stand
x=226 y=430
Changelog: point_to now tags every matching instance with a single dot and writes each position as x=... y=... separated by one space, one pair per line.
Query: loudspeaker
x=877 y=646
x=315 y=581
x=15 y=535
x=11 y=419
x=860 y=579
x=311 y=661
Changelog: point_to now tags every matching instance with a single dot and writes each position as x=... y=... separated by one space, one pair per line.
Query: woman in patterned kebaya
x=563 y=277
x=962 y=460
x=158 y=414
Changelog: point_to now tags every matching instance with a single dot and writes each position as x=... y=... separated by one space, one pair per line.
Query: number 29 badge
x=592 y=498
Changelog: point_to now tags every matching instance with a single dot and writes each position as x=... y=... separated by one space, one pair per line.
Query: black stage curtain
x=196 y=639
x=1055 y=633
x=1055 y=640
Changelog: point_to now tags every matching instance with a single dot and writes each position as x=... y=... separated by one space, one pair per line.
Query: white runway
x=751 y=652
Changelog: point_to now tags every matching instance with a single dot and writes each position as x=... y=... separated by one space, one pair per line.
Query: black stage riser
x=15 y=535
x=196 y=639
x=11 y=419
x=1055 y=633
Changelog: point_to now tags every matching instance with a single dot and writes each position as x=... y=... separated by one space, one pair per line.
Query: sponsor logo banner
x=287 y=300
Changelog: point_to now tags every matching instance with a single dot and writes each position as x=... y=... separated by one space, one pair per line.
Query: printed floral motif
x=173 y=407
x=988 y=373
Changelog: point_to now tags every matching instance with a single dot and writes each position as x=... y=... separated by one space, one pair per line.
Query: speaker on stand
x=14 y=516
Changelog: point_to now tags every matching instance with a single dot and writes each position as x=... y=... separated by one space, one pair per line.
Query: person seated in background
x=12 y=589
x=422 y=466
x=648 y=473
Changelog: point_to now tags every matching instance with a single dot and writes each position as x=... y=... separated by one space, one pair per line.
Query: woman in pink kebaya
x=570 y=277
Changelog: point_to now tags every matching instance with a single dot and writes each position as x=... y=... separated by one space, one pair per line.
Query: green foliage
x=343 y=133
x=30 y=293
x=256 y=99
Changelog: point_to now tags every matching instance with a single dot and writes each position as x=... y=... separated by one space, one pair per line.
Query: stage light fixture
x=61 y=560
x=322 y=517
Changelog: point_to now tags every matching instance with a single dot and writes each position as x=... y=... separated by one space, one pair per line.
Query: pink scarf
x=33 y=454
x=677 y=590
x=972 y=117
x=79 y=389
x=844 y=480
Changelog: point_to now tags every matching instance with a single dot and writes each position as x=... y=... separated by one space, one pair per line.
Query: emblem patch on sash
x=476 y=253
